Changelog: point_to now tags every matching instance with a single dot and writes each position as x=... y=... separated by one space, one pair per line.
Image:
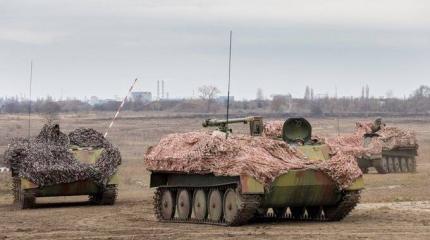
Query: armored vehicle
x=400 y=158
x=302 y=194
x=26 y=192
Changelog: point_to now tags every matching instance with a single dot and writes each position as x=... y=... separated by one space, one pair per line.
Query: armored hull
x=401 y=159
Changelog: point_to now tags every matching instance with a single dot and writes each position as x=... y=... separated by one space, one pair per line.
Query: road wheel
x=215 y=205
x=382 y=165
x=183 y=204
x=200 y=204
x=167 y=203
x=412 y=167
x=404 y=164
x=231 y=205
x=390 y=162
x=396 y=161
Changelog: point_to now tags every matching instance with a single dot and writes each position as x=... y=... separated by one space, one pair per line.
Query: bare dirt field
x=394 y=206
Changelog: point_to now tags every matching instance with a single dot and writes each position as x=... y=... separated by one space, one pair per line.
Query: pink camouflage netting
x=393 y=137
x=260 y=157
x=273 y=129
x=389 y=138
x=354 y=143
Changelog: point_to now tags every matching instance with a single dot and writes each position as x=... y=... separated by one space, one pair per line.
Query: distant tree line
x=417 y=103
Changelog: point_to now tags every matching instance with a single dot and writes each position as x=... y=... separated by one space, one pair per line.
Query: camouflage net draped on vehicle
x=47 y=160
x=388 y=138
x=260 y=157
x=273 y=129
x=88 y=137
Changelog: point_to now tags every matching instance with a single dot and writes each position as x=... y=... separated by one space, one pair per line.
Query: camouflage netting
x=46 y=159
x=273 y=129
x=354 y=144
x=88 y=137
x=393 y=137
x=260 y=157
x=51 y=134
x=389 y=138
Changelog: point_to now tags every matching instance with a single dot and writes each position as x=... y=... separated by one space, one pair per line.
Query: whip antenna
x=228 y=90
x=29 y=100
x=120 y=107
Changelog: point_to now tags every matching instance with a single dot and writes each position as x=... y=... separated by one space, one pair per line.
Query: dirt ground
x=395 y=206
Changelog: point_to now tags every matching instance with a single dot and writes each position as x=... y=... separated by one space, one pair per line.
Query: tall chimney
x=158 y=89
x=162 y=89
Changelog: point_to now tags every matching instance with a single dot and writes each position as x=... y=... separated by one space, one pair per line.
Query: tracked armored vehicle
x=301 y=194
x=26 y=192
x=54 y=164
x=400 y=158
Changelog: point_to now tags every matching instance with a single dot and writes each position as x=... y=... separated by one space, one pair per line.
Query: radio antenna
x=29 y=102
x=228 y=90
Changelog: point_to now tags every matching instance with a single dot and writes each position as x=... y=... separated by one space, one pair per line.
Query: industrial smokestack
x=162 y=89
x=158 y=89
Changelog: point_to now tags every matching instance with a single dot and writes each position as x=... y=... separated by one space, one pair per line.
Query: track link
x=328 y=213
x=345 y=206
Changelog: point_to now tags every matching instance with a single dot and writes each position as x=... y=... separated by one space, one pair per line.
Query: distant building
x=141 y=96
x=223 y=99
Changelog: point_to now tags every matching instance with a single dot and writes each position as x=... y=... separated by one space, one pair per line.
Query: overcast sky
x=86 y=47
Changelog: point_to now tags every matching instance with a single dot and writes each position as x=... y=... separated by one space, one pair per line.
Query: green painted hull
x=86 y=155
x=65 y=189
x=302 y=188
